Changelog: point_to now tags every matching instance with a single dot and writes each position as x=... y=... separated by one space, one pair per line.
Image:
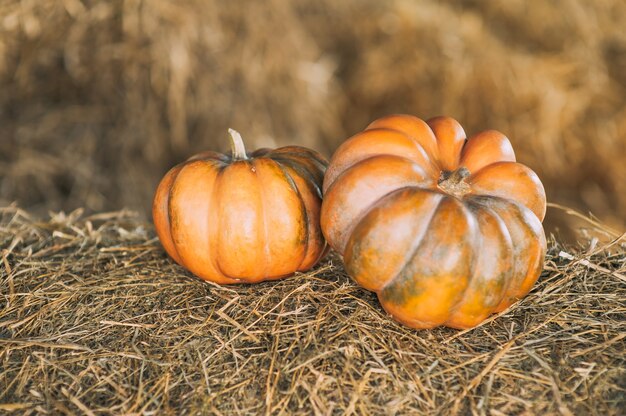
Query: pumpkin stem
x=237 y=149
x=454 y=182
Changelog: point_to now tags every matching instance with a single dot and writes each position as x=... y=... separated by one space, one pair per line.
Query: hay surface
x=95 y=319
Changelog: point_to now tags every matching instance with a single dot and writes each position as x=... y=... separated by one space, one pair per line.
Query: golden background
x=99 y=98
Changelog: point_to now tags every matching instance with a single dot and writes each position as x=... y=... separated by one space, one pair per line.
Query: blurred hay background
x=99 y=98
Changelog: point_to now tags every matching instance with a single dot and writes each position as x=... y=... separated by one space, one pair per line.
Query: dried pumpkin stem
x=454 y=182
x=237 y=149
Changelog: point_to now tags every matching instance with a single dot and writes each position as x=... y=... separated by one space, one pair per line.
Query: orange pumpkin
x=243 y=218
x=446 y=230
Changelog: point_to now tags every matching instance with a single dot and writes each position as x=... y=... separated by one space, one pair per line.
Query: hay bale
x=95 y=319
x=550 y=75
x=99 y=98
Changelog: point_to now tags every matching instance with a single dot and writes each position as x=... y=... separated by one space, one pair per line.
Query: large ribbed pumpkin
x=446 y=230
x=243 y=218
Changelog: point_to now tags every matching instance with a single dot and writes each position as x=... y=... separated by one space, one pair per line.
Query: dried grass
x=98 y=98
x=94 y=319
x=550 y=75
